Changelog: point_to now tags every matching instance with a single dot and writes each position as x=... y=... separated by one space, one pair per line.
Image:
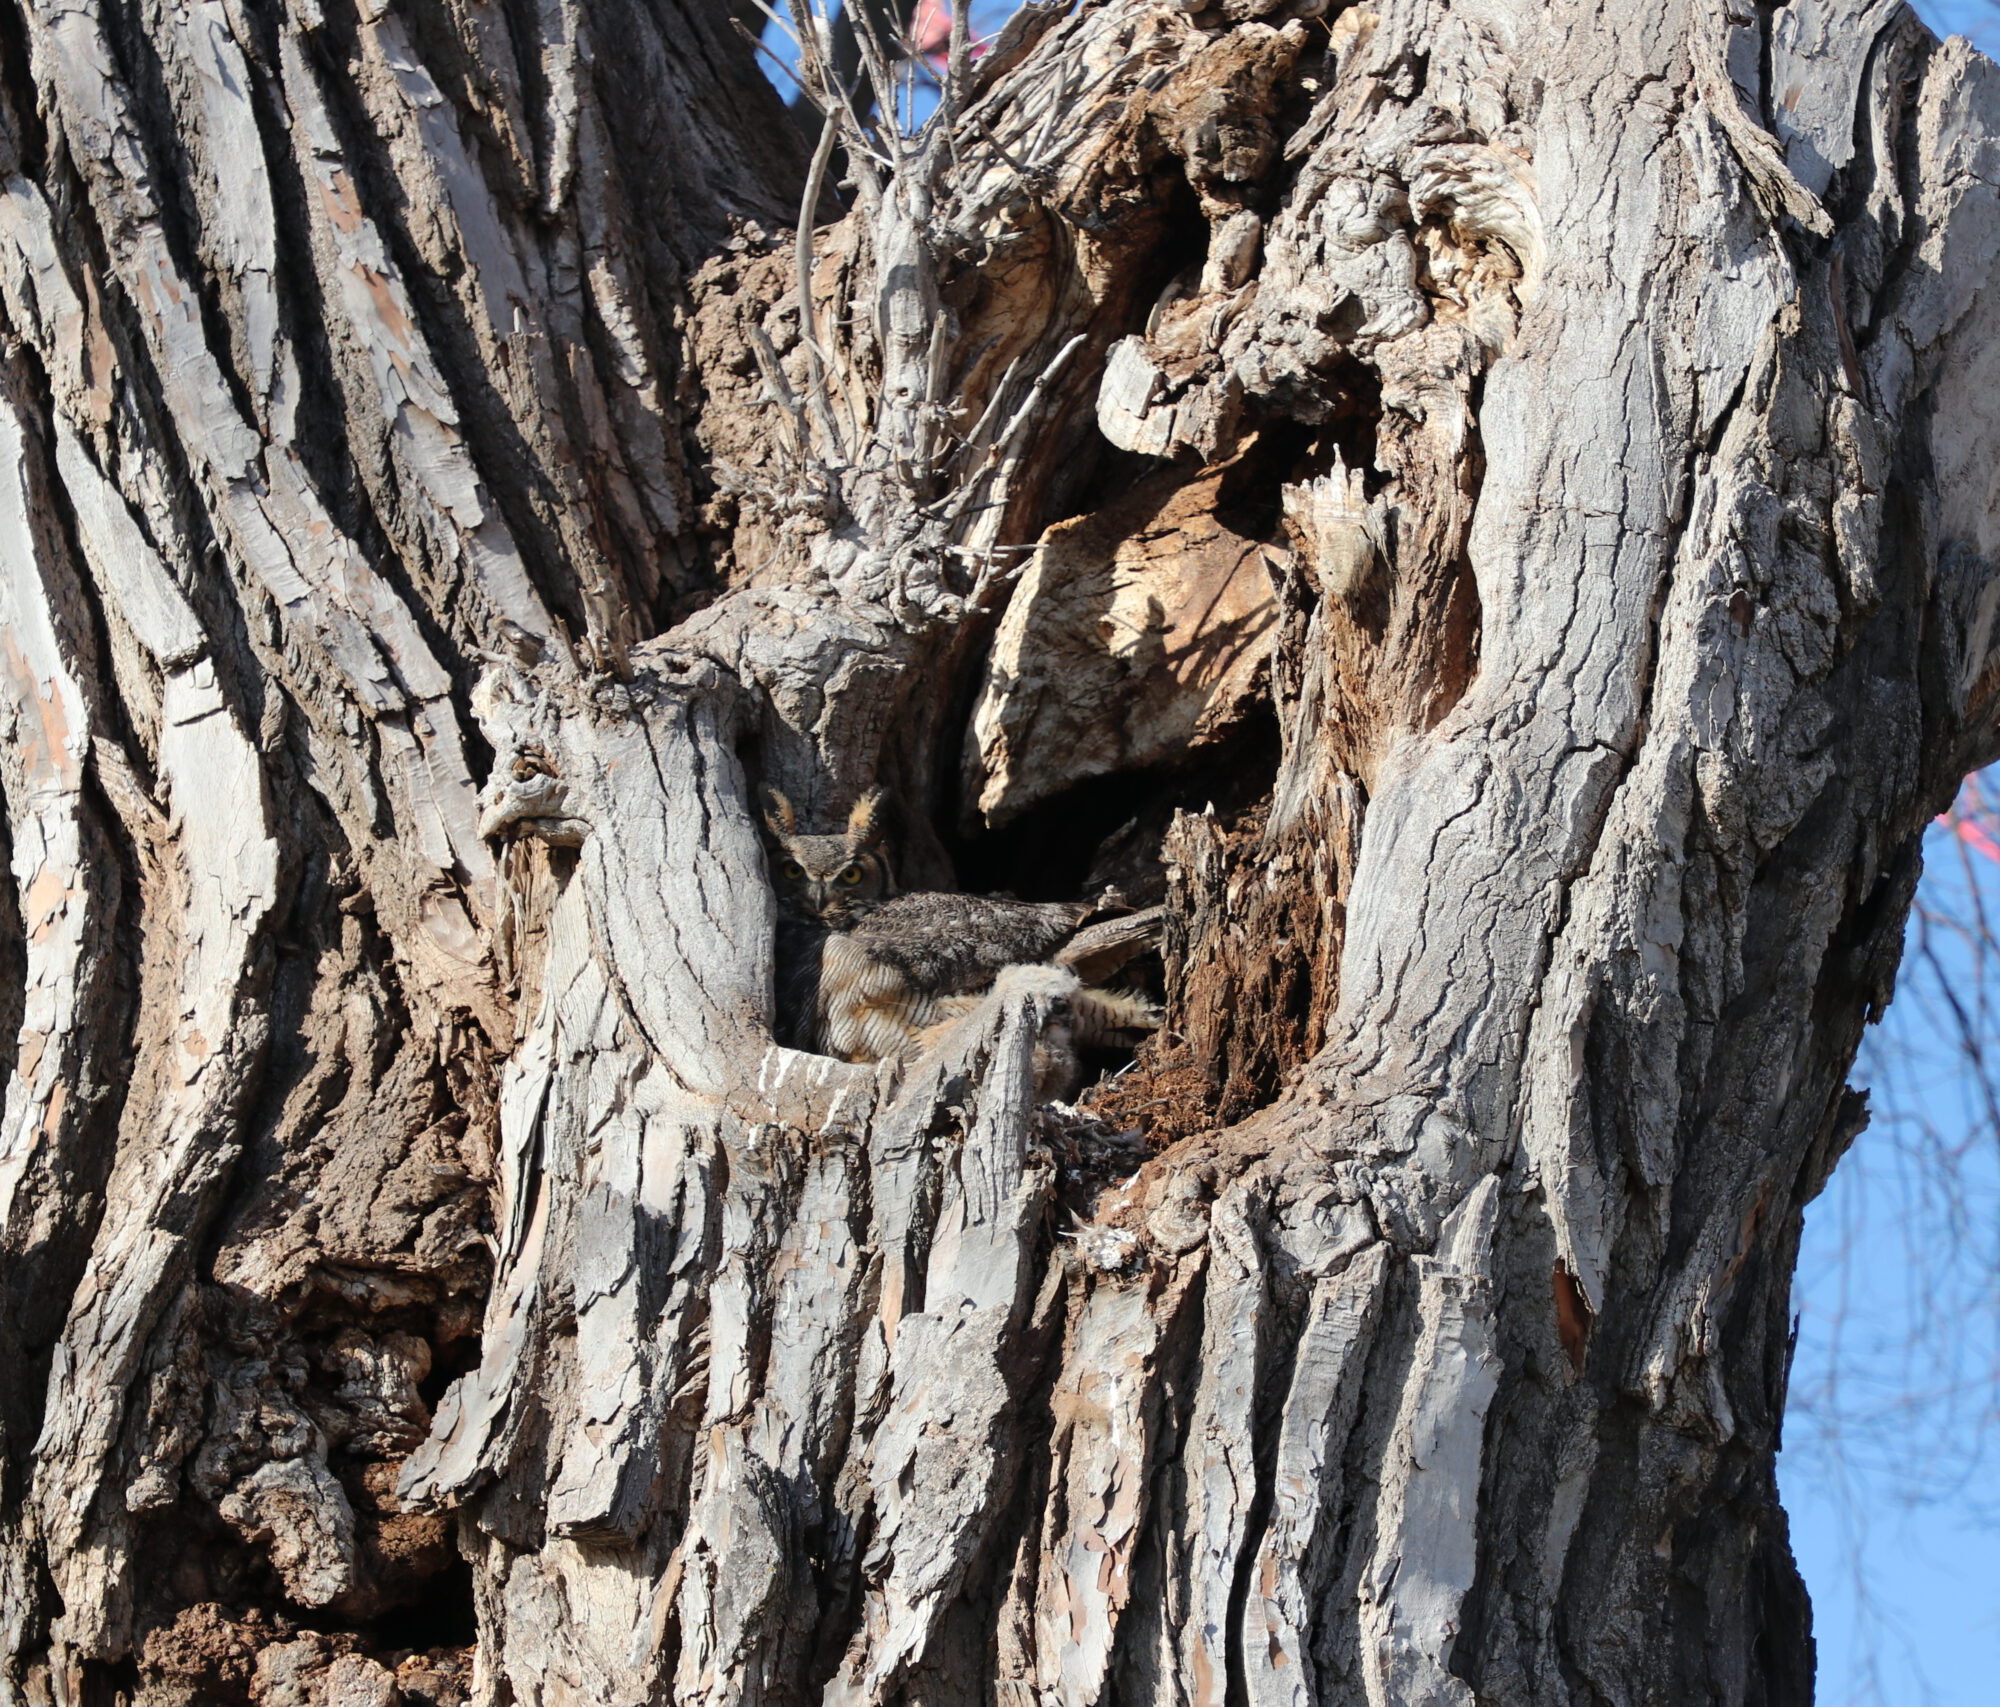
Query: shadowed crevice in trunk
x=1425 y=437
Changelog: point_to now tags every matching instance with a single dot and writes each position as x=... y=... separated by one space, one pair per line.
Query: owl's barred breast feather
x=917 y=961
x=899 y=968
x=867 y=974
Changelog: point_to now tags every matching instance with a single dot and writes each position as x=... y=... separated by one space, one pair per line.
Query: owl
x=831 y=879
x=866 y=974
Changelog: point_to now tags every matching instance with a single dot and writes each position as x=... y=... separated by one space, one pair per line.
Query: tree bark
x=1489 y=509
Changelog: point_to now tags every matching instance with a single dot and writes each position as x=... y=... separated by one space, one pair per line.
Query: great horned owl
x=864 y=972
x=833 y=879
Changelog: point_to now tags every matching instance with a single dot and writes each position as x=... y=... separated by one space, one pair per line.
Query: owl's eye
x=792 y=868
x=850 y=875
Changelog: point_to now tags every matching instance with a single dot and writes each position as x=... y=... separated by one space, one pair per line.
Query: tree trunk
x=1488 y=508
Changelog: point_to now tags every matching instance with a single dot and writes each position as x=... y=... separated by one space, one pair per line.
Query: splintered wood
x=1136 y=635
x=1488 y=515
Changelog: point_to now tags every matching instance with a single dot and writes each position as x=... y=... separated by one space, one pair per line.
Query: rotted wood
x=1531 y=480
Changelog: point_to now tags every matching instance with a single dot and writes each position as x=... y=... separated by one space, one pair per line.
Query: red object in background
x=1973 y=820
x=929 y=35
x=930 y=28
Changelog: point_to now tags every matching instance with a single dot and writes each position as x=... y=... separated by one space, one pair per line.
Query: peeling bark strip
x=1488 y=513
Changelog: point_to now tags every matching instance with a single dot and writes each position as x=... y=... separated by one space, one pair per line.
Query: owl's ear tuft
x=867 y=822
x=779 y=818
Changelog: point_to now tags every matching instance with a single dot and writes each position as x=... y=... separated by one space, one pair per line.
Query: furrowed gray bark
x=1486 y=510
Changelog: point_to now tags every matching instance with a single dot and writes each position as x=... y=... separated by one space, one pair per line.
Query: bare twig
x=802 y=258
x=781 y=391
x=1006 y=449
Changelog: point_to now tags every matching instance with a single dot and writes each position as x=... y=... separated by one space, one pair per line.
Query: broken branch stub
x=1505 y=505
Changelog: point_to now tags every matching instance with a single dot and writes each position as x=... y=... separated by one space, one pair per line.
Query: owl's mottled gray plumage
x=953 y=943
x=865 y=972
x=894 y=973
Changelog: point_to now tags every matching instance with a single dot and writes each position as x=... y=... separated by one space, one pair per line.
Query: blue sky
x=1889 y=1468
x=1979 y=19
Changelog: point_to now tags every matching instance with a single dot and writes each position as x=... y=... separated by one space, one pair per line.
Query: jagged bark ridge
x=1505 y=502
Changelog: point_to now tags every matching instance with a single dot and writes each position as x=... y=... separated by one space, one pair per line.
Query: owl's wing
x=947 y=944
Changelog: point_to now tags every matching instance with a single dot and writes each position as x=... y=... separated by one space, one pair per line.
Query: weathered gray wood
x=438 y=487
